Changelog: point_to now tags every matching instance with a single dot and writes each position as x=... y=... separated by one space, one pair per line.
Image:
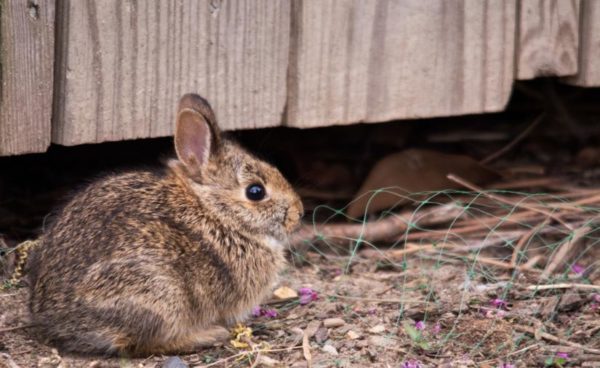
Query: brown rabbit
x=155 y=262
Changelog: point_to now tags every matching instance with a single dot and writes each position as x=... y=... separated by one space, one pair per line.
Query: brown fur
x=154 y=262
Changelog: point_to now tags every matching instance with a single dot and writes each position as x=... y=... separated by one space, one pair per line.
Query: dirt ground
x=456 y=321
x=509 y=278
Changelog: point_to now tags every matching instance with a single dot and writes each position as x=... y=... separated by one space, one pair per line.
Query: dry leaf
x=285 y=292
x=414 y=170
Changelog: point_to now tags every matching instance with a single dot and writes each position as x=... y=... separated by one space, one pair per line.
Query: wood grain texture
x=589 y=42
x=370 y=60
x=548 y=39
x=124 y=64
x=26 y=75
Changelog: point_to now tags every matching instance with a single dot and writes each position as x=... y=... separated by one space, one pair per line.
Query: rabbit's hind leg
x=124 y=329
x=129 y=307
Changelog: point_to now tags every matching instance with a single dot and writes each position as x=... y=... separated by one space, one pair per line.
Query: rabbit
x=158 y=262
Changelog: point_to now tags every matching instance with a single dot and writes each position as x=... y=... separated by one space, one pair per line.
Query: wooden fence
x=76 y=72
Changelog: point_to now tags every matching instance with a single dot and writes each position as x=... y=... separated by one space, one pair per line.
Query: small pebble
x=380 y=341
x=352 y=335
x=333 y=322
x=377 y=329
x=330 y=349
x=174 y=362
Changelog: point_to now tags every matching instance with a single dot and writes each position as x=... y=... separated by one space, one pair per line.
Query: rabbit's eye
x=255 y=192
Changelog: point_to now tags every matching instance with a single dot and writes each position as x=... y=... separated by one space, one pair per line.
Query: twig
x=564 y=251
x=501 y=199
x=524 y=349
x=528 y=183
x=515 y=141
x=493 y=262
x=553 y=338
x=306 y=348
x=376 y=300
x=524 y=239
x=223 y=360
x=386 y=228
x=564 y=286
x=377 y=230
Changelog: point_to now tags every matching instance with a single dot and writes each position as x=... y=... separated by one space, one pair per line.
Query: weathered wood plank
x=548 y=39
x=589 y=43
x=26 y=75
x=369 y=60
x=124 y=65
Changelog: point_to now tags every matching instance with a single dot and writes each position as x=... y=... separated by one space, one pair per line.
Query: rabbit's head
x=230 y=182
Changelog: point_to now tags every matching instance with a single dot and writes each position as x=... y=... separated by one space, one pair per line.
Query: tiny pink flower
x=270 y=313
x=507 y=365
x=420 y=325
x=596 y=298
x=256 y=311
x=562 y=355
x=372 y=311
x=411 y=364
x=305 y=291
x=578 y=269
x=437 y=328
x=499 y=303
x=307 y=295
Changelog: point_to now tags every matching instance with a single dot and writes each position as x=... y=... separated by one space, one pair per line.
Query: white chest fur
x=273 y=243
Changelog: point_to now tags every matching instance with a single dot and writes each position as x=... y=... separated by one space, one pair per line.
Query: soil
x=457 y=305
x=379 y=309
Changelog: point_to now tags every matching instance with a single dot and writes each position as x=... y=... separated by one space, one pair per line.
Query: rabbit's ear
x=196 y=133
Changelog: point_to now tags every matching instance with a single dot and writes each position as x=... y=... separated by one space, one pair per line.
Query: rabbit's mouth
x=292 y=218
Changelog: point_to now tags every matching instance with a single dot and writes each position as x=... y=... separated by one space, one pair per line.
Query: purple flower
x=372 y=311
x=270 y=313
x=596 y=298
x=411 y=364
x=499 y=303
x=257 y=311
x=307 y=295
x=578 y=269
x=305 y=291
x=562 y=355
x=420 y=325
x=437 y=328
x=507 y=365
